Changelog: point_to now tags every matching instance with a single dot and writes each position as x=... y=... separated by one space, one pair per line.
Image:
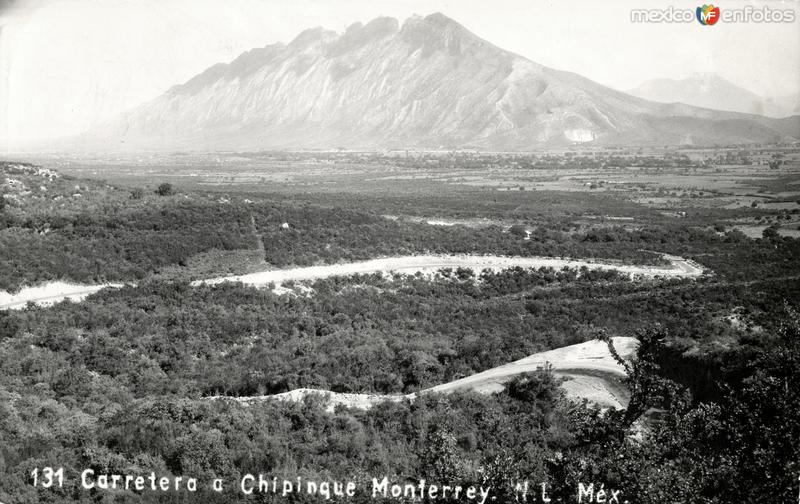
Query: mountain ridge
x=710 y=90
x=428 y=83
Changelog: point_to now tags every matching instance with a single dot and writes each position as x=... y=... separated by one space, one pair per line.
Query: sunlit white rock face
x=427 y=83
x=579 y=135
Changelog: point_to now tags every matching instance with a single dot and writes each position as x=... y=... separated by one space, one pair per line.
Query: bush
x=165 y=189
x=518 y=230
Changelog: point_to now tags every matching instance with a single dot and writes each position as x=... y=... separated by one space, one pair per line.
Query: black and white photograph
x=399 y=252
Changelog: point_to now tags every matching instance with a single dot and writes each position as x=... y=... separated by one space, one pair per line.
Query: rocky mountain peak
x=429 y=83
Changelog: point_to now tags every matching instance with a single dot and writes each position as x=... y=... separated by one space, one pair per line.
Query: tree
x=440 y=459
x=771 y=232
x=540 y=387
x=518 y=230
x=165 y=189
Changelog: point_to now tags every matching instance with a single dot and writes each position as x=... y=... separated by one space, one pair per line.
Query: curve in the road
x=589 y=370
x=54 y=292
x=678 y=267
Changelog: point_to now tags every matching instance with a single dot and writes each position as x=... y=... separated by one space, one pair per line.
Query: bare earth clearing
x=54 y=292
x=589 y=370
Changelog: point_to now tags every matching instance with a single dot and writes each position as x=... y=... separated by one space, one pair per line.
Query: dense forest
x=739 y=446
x=363 y=333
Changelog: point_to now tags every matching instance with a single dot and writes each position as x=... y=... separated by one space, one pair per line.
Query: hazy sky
x=66 y=65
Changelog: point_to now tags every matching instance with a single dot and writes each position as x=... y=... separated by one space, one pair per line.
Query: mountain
x=712 y=91
x=429 y=83
x=784 y=105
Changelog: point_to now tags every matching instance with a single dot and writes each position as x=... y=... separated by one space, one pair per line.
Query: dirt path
x=259 y=239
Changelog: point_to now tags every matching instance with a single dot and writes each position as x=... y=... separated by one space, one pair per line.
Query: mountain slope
x=429 y=84
x=712 y=91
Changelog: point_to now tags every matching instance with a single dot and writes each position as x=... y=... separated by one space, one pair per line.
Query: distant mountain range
x=712 y=91
x=428 y=83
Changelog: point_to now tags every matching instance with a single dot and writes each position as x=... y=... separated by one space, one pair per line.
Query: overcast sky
x=68 y=64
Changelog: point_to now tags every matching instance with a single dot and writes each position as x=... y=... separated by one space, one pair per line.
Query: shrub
x=165 y=189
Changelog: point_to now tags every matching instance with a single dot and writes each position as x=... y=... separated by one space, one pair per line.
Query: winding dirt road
x=589 y=370
x=50 y=293
x=55 y=292
x=678 y=267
